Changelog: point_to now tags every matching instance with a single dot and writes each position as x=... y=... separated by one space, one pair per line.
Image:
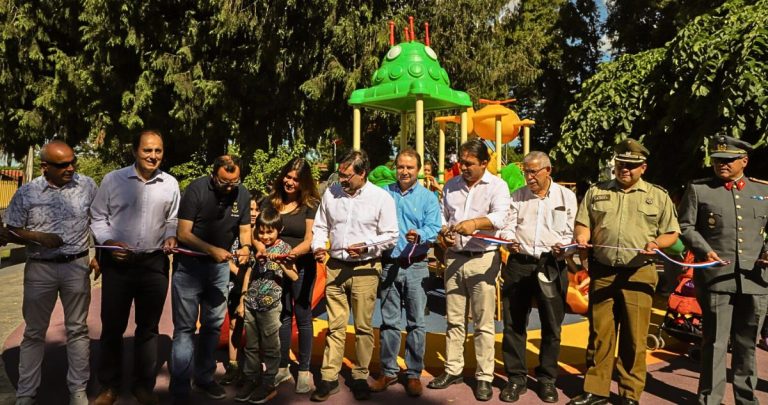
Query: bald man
x=50 y=216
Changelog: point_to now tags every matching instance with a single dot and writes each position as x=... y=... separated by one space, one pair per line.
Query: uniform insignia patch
x=649 y=200
x=601 y=197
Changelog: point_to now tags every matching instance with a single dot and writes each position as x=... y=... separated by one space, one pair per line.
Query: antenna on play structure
x=410 y=22
x=391 y=33
x=426 y=33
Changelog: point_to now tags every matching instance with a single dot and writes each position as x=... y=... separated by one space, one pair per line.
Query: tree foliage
x=711 y=78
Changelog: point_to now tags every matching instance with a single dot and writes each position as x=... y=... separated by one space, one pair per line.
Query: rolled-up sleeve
x=100 y=212
x=499 y=205
x=320 y=226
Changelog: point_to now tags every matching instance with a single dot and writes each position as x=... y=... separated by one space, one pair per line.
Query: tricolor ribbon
x=699 y=265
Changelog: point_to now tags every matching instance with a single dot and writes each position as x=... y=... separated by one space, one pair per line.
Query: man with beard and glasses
x=134 y=210
x=214 y=211
x=404 y=273
x=722 y=220
x=623 y=221
x=359 y=220
x=50 y=215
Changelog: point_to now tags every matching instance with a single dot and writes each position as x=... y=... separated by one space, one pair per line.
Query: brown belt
x=354 y=263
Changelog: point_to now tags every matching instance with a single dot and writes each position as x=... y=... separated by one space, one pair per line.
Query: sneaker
x=212 y=390
x=78 y=398
x=262 y=394
x=304 y=382
x=245 y=392
x=283 y=375
x=26 y=401
x=232 y=375
x=324 y=390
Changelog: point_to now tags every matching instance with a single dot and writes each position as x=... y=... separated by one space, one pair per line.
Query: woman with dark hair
x=294 y=195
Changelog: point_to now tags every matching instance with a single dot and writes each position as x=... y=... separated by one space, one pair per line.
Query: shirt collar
x=396 y=187
x=641 y=185
x=134 y=173
x=73 y=183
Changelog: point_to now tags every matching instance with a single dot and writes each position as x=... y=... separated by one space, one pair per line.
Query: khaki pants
x=620 y=302
x=471 y=280
x=348 y=285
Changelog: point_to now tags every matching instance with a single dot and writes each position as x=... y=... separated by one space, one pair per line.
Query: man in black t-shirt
x=214 y=210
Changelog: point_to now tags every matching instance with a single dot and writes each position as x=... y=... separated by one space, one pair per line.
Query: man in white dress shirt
x=476 y=201
x=135 y=209
x=540 y=221
x=359 y=219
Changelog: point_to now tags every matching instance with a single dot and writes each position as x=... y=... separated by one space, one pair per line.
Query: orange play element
x=456 y=119
x=484 y=121
x=577 y=300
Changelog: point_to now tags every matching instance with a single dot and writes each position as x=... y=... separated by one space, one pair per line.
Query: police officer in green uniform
x=622 y=221
x=721 y=219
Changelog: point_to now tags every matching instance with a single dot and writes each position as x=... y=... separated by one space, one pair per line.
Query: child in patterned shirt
x=261 y=307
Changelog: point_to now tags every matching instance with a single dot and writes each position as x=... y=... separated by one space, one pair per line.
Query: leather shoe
x=381 y=383
x=413 y=387
x=444 y=381
x=107 y=396
x=512 y=391
x=628 y=401
x=588 y=398
x=145 y=396
x=547 y=392
x=483 y=391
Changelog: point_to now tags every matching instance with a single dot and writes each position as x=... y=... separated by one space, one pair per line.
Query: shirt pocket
x=650 y=214
x=711 y=218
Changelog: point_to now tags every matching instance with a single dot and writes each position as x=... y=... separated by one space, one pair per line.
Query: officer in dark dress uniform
x=721 y=219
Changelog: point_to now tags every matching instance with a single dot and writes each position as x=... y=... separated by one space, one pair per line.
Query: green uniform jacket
x=628 y=219
x=733 y=225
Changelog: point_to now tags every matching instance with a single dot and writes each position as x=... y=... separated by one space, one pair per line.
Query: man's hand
x=467 y=227
x=762 y=261
x=320 y=255
x=513 y=247
x=170 y=244
x=713 y=257
x=412 y=236
x=446 y=238
x=240 y=311
x=119 y=254
x=355 y=250
x=243 y=254
x=94 y=267
x=650 y=248
x=49 y=240
x=219 y=255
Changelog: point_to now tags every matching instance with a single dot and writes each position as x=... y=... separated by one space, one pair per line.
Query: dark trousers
x=520 y=286
x=297 y=301
x=142 y=281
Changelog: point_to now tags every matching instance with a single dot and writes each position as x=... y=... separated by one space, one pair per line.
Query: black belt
x=355 y=263
x=470 y=253
x=525 y=259
x=61 y=259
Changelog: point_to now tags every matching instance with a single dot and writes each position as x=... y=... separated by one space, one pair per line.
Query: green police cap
x=631 y=151
x=728 y=147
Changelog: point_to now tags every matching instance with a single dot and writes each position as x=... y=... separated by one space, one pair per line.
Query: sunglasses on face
x=725 y=161
x=62 y=165
x=629 y=166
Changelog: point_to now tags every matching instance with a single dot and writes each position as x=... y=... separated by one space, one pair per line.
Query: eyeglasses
x=345 y=177
x=533 y=173
x=62 y=165
x=221 y=183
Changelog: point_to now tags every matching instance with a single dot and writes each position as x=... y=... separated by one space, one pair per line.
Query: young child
x=261 y=307
x=235 y=287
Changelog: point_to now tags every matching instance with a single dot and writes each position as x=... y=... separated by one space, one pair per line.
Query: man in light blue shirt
x=404 y=270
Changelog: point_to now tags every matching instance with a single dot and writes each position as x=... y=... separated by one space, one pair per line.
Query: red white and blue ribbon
x=664 y=256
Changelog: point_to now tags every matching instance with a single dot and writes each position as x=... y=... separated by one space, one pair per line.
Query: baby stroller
x=682 y=319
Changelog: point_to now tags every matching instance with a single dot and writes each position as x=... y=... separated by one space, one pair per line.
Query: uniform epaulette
x=660 y=188
x=758 y=180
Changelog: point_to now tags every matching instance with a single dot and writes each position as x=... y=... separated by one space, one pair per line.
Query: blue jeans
x=403 y=288
x=199 y=287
